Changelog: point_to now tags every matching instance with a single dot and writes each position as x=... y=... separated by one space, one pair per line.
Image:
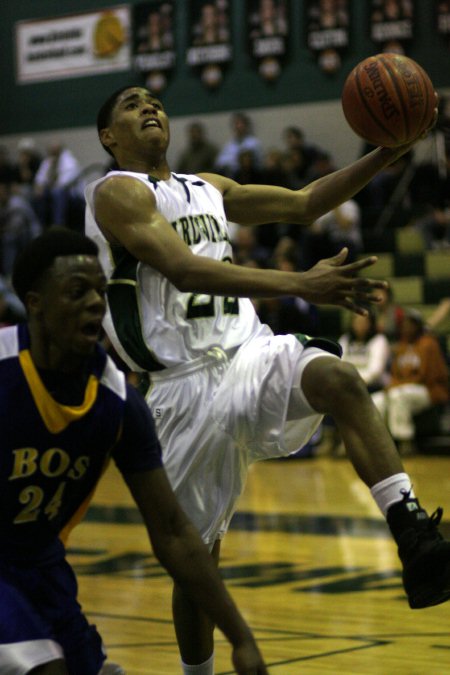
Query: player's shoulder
x=127 y=189
x=119 y=180
x=221 y=183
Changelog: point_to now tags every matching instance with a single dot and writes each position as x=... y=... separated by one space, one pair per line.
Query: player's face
x=71 y=305
x=138 y=119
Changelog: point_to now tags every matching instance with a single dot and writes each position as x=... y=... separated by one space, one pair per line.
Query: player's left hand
x=332 y=282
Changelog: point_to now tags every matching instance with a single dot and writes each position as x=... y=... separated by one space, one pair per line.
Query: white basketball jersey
x=151 y=324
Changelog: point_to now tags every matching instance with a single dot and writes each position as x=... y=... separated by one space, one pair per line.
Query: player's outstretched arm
x=179 y=548
x=126 y=211
x=259 y=204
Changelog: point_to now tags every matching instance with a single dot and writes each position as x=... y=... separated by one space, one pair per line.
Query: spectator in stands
x=248 y=169
x=288 y=314
x=369 y=351
x=199 y=154
x=299 y=153
x=273 y=169
x=419 y=380
x=430 y=192
x=389 y=315
x=246 y=246
x=18 y=225
x=376 y=197
x=330 y=233
x=55 y=185
x=227 y=162
x=439 y=315
x=7 y=170
x=341 y=228
x=435 y=227
x=27 y=165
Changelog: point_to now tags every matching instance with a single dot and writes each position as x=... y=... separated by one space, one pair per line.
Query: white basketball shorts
x=218 y=414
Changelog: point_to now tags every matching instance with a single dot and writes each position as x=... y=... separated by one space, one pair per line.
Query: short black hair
x=105 y=112
x=37 y=257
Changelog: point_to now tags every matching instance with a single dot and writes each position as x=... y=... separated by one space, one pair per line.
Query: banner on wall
x=392 y=24
x=73 y=45
x=328 y=36
x=443 y=18
x=210 y=49
x=268 y=35
x=154 y=42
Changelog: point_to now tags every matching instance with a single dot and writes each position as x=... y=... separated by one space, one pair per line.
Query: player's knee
x=335 y=385
x=345 y=381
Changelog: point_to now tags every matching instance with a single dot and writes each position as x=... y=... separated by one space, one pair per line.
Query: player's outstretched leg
x=334 y=387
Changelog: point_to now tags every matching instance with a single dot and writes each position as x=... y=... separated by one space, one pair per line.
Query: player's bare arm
x=126 y=212
x=179 y=548
x=259 y=204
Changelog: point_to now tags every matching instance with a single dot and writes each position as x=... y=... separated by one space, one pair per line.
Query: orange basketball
x=388 y=99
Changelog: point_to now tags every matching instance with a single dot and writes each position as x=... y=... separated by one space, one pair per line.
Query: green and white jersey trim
x=149 y=322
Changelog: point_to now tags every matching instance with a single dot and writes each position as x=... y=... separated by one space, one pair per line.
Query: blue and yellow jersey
x=52 y=455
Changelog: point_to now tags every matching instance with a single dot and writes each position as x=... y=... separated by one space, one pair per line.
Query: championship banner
x=73 y=45
x=392 y=24
x=443 y=19
x=154 y=42
x=328 y=32
x=268 y=22
x=210 y=49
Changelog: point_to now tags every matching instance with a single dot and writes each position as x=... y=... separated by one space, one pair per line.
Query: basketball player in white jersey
x=223 y=389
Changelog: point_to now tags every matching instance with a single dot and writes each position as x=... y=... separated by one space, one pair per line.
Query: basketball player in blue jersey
x=223 y=389
x=65 y=410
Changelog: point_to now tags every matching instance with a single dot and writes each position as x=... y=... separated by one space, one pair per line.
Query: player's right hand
x=247 y=659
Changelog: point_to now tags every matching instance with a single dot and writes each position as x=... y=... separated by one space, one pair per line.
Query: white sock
x=391 y=490
x=205 y=668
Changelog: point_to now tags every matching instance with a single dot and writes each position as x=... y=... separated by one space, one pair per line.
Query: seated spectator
x=301 y=153
x=435 y=227
x=375 y=197
x=341 y=228
x=227 y=161
x=430 y=193
x=273 y=169
x=418 y=380
x=18 y=226
x=430 y=185
x=369 y=351
x=248 y=171
x=330 y=233
x=7 y=168
x=199 y=154
x=439 y=315
x=288 y=314
x=389 y=315
x=53 y=185
x=27 y=165
x=246 y=246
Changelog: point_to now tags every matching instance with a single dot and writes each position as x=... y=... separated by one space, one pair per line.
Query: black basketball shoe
x=424 y=552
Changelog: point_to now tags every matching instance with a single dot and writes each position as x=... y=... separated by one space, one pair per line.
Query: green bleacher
x=418 y=278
